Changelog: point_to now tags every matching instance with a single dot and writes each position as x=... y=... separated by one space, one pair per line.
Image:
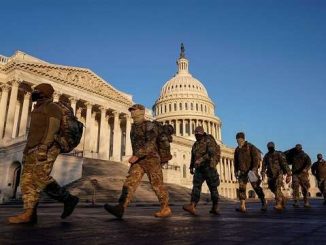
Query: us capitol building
x=183 y=102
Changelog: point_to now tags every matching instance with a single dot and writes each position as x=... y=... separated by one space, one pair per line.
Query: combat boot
x=279 y=206
x=263 y=204
x=306 y=203
x=69 y=205
x=242 y=208
x=295 y=204
x=164 y=212
x=190 y=208
x=116 y=210
x=27 y=217
x=55 y=191
x=215 y=209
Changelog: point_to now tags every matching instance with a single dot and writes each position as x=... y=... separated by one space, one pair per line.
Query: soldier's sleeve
x=255 y=155
x=264 y=164
x=54 y=114
x=284 y=165
x=192 y=161
x=307 y=163
x=151 y=133
x=236 y=161
x=314 y=169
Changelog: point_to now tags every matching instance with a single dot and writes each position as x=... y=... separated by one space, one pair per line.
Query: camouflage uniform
x=247 y=158
x=208 y=152
x=143 y=139
x=318 y=169
x=301 y=163
x=40 y=152
x=276 y=166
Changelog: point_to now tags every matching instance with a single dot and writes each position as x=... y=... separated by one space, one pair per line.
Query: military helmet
x=136 y=107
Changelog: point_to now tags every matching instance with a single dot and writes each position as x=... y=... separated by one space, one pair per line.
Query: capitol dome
x=184 y=103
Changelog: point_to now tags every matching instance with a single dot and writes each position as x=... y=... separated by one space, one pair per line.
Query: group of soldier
x=42 y=150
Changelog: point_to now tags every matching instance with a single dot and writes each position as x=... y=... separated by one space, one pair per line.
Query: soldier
x=247 y=158
x=39 y=156
x=145 y=159
x=205 y=155
x=318 y=169
x=301 y=164
x=275 y=164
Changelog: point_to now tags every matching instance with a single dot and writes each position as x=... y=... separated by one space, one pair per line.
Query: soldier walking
x=275 y=166
x=205 y=155
x=39 y=156
x=247 y=158
x=318 y=169
x=145 y=159
x=301 y=164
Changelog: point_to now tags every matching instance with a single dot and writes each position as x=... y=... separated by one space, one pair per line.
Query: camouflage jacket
x=300 y=161
x=44 y=111
x=246 y=158
x=143 y=139
x=275 y=164
x=318 y=169
x=207 y=151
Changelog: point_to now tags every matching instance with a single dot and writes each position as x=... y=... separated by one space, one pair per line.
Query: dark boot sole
x=108 y=209
x=65 y=215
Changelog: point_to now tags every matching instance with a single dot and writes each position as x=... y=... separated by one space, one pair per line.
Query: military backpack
x=164 y=140
x=71 y=130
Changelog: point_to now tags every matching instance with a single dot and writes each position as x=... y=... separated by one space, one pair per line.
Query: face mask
x=199 y=136
x=138 y=116
x=240 y=142
x=271 y=149
x=35 y=96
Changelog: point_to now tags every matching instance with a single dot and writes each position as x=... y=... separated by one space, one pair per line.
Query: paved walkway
x=95 y=226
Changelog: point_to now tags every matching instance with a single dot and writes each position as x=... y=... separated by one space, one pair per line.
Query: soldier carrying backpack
x=48 y=122
x=205 y=155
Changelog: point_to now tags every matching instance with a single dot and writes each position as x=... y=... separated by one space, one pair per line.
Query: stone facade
x=183 y=102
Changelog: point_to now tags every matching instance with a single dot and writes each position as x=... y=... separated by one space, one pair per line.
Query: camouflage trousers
x=153 y=169
x=275 y=185
x=212 y=179
x=322 y=187
x=243 y=181
x=36 y=175
x=302 y=180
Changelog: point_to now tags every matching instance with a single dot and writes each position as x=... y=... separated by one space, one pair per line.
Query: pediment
x=77 y=77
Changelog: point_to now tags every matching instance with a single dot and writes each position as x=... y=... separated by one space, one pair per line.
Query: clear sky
x=262 y=62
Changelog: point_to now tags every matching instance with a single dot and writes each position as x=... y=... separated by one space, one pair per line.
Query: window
x=180 y=106
x=170 y=107
x=175 y=106
x=184 y=171
x=192 y=106
x=186 y=106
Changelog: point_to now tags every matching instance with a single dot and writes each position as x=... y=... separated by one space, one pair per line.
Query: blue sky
x=262 y=62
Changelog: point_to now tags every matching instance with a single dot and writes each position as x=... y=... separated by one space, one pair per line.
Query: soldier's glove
x=288 y=179
x=192 y=171
x=42 y=153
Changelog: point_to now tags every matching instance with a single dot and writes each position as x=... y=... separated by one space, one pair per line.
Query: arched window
x=170 y=107
x=196 y=107
x=184 y=171
x=186 y=106
x=201 y=107
x=165 y=108
x=180 y=106
x=192 y=106
x=175 y=106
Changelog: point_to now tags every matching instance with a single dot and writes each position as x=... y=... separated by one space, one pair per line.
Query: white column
x=109 y=135
x=104 y=137
x=73 y=103
x=16 y=118
x=88 y=128
x=184 y=127
x=56 y=96
x=3 y=107
x=219 y=133
x=116 y=138
x=177 y=127
x=24 y=116
x=229 y=169
x=128 y=140
x=232 y=169
x=11 y=109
